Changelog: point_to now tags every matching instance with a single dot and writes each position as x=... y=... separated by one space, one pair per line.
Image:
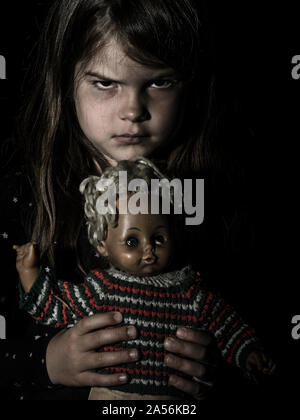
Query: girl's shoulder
x=14 y=181
x=16 y=200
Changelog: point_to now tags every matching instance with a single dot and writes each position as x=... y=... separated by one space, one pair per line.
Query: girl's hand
x=72 y=359
x=192 y=355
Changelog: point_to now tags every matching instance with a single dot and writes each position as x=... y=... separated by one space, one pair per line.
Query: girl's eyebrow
x=160 y=73
x=95 y=74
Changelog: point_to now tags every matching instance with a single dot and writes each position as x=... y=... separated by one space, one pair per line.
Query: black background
x=253 y=46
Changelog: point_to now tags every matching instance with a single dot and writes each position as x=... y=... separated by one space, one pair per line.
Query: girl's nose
x=133 y=109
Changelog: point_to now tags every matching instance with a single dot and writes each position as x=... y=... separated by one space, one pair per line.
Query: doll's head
x=141 y=244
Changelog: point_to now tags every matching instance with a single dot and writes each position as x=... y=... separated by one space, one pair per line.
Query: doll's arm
x=40 y=300
x=234 y=337
x=61 y=304
x=27 y=264
x=261 y=362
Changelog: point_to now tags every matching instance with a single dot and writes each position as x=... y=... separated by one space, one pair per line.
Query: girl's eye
x=132 y=242
x=103 y=84
x=162 y=84
x=159 y=240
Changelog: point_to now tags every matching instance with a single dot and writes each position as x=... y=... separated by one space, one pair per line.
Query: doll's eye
x=132 y=242
x=159 y=240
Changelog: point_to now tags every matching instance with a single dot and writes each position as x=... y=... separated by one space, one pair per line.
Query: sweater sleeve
x=46 y=304
x=234 y=337
x=62 y=305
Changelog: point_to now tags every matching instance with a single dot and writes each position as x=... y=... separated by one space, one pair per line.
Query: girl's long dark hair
x=59 y=156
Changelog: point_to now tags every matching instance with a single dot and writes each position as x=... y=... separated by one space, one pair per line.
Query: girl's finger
x=186 y=366
x=190 y=350
x=99 y=379
x=95 y=322
x=103 y=337
x=194 y=336
x=192 y=387
x=98 y=360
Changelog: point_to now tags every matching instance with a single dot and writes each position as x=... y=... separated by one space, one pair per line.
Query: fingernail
x=172 y=380
x=168 y=360
x=131 y=332
x=123 y=378
x=181 y=333
x=169 y=342
x=133 y=354
x=118 y=317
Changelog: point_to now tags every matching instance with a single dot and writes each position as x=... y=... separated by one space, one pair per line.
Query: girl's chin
x=129 y=152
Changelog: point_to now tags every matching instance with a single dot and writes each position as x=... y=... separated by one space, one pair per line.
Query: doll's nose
x=149 y=254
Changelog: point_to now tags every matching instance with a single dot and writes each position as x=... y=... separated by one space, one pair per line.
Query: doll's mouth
x=150 y=260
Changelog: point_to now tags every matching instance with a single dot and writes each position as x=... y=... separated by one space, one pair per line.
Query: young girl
x=142 y=282
x=113 y=79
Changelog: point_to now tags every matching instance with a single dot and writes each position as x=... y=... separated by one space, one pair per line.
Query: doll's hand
x=195 y=356
x=72 y=357
x=260 y=362
x=27 y=264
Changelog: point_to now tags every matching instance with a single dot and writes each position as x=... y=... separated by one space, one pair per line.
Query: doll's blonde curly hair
x=97 y=223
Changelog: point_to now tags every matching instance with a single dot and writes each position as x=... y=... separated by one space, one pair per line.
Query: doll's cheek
x=128 y=258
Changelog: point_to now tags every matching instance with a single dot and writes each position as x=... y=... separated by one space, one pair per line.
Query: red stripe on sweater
x=219 y=317
x=141 y=312
x=64 y=315
x=229 y=332
x=236 y=344
x=206 y=306
x=137 y=371
x=46 y=307
x=67 y=291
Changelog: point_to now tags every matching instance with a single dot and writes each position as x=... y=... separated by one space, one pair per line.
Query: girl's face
x=124 y=108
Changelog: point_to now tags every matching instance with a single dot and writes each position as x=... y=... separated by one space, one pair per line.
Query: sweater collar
x=171 y=278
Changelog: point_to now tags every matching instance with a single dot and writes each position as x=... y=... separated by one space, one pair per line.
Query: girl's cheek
x=105 y=95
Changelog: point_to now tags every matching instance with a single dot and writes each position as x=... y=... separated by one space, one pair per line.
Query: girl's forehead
x=112 y=61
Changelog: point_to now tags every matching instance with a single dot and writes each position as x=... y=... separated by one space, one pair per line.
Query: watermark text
x=2 y=67
x=2 y=327
x=296 y=67
x=163 y=196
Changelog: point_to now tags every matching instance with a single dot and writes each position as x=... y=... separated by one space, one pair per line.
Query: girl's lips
x=129 y=139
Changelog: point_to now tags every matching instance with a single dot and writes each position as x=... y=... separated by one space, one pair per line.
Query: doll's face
x=140 y=244
x=125 y=108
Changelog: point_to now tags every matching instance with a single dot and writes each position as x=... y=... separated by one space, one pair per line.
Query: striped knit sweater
x=156 y=305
